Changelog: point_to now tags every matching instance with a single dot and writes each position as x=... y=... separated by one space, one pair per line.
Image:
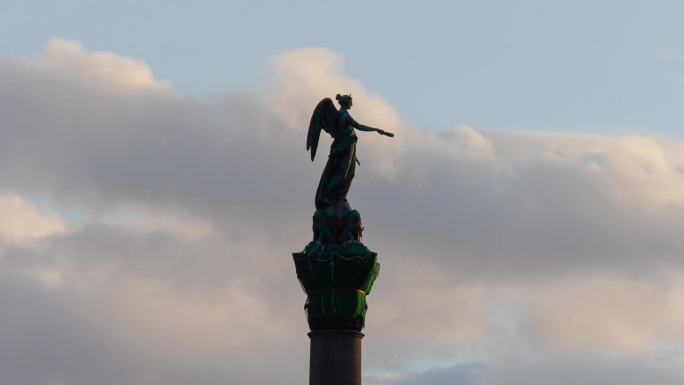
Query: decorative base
x=337 y=224
x=335 y=357
x=336 y=279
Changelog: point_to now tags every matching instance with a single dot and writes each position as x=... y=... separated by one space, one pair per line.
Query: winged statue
x=341 y=165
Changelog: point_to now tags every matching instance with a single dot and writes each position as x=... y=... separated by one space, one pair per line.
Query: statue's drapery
x=339 y=171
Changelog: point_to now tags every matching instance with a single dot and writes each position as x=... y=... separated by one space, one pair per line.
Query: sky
x=154 y=183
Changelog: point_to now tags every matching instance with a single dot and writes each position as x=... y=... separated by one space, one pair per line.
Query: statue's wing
x=322 y=119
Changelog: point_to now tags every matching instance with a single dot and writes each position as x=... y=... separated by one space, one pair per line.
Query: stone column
x=335 y=357
x=337 y=273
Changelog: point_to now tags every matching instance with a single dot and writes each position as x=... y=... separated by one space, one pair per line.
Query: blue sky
x=582 y=66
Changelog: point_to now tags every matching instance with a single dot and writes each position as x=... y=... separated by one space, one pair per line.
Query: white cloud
x=182 y=215
x=22 y=221
x=70 y=59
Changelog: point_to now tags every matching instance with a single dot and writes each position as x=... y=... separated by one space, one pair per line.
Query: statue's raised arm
x=341 y=165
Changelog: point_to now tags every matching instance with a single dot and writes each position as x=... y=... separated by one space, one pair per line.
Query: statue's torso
x=345 y=136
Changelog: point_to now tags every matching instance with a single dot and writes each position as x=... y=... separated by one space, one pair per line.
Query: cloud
x=148 y=234
x=70 y=59
x=22 y=221
x=594 y=370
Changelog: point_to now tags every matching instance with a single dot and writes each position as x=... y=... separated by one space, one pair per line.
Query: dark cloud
x=161 y=226
x=597 y=370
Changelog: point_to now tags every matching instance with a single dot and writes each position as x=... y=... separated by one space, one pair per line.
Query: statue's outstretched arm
x=361 y=127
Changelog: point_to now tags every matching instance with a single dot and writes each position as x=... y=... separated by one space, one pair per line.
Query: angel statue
x=339 y=170
x=335 y=269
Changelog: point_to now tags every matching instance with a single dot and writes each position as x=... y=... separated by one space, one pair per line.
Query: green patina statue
x=336 y=270
x=339 y=170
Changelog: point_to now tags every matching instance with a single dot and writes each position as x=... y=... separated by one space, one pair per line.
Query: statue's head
x=344 y=100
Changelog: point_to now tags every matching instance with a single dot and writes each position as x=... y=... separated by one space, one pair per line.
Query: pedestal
x=335 y=357
x=337 y=272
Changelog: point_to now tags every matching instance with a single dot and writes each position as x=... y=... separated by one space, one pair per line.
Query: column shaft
x=335 y=357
